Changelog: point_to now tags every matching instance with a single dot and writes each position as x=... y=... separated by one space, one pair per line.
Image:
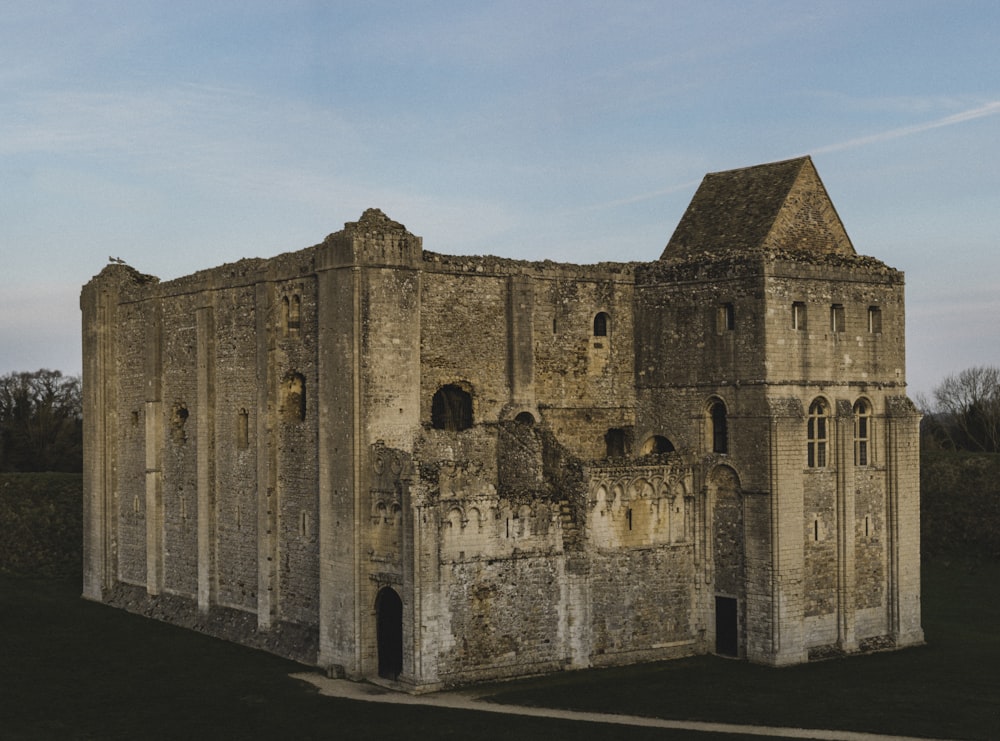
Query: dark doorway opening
x=389 y=625
x=726 y=627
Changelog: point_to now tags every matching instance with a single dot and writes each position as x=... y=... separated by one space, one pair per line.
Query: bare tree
x=967 y=408
x=41 y=424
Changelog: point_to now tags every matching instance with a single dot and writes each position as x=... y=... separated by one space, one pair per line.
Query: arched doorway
x=389 y=628
x=728 y=554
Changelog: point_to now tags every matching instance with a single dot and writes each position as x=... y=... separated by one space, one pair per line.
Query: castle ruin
x=434 y=470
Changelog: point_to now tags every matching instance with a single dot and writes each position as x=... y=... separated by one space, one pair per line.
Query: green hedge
x=41 y=518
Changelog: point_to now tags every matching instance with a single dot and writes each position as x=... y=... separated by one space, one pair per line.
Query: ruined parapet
x=374 y=239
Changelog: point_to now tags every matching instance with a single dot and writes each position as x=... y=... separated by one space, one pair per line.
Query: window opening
x=525 y=418
x=720 y=427
x=726 y=318
x=243 y=430
x=657 y=444
x=614 y=441
x=628 y=514
x=874 y=320
x=862 y=432
x=451 y=409
x=178 y=421
x=798 y=315
x=816 y=435
x=295 y=314
x=837 y=318
x=602 y=324
x=293 y=402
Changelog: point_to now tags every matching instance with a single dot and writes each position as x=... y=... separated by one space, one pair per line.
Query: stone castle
x=433 y=469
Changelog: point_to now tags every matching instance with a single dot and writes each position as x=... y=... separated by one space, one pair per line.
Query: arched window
x=602 y=324
x=525 y=418
x=862 y=432
x=816 y=435
x=451 y=409
x=657 y=445
x=720 y=426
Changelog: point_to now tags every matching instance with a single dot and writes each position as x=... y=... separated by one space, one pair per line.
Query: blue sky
x=181 y=135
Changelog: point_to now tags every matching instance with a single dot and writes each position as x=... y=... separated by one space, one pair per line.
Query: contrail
x=987 y=110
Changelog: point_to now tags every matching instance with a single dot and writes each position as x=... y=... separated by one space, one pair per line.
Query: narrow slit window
x=294 y=314
x=243 y=430
x=726 y=318
x=799 y=316
x=874 y=320
x=837 y=321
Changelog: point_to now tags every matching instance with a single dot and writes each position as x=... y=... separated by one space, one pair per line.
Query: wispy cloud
x=990 y=109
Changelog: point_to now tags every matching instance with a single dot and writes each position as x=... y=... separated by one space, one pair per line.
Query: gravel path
x=459 y=700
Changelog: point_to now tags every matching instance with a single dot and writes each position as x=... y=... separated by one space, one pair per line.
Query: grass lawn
x=76 y=670
x=71 y=669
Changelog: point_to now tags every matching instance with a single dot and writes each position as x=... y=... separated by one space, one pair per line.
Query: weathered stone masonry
x=433 y=469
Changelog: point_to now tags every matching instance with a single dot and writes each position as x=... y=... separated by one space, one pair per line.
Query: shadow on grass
x=72 y=669
x=78 y=670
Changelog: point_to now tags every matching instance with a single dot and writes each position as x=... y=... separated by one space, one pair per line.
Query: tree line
x=963 y=412
x=41 y=422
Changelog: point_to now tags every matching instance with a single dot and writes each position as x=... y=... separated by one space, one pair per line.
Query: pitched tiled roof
x=781 y=205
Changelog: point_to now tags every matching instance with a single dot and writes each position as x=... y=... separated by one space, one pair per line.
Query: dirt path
x=459 y=700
